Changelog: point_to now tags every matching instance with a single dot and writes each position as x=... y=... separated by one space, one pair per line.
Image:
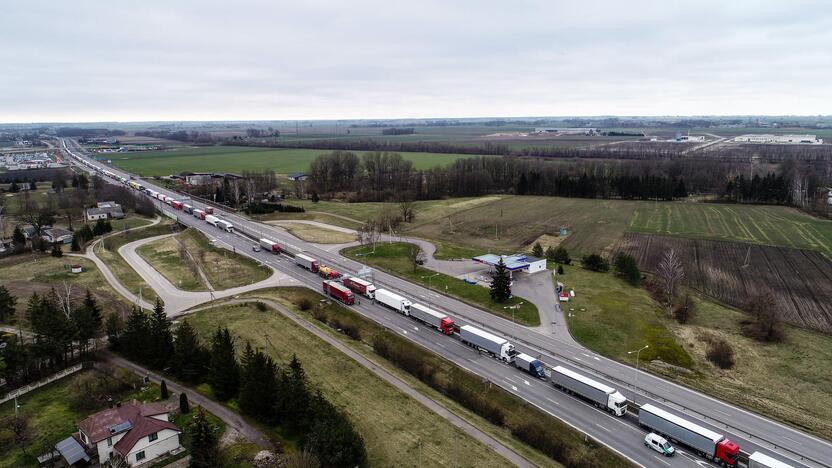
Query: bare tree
x=672 y=272
x=416 y=256
x=64 y=294
x=407 y=208
x=370 y=233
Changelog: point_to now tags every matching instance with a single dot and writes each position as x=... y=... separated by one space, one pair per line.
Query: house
x=139 y=433
x=57 y=236
x=197 y=178
x=295 y=176
x=105 y=210
x=29 y=231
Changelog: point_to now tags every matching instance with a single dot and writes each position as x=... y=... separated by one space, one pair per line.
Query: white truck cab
x=618 y=404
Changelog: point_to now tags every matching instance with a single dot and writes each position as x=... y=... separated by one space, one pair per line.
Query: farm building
x=105 y=210
x=516 y=262
x=780 y=139
x=57 y=236
x=296 y=176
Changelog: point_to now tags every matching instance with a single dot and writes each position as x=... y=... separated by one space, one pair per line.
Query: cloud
x=206 y=60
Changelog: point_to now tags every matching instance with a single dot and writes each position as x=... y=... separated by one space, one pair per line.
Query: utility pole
x=638 y=352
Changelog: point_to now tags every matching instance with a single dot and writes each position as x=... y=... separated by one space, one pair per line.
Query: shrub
x=320 y=315
x=766 y=325
x=304 y=303
x=561 y=255
x=260 y=306
x=720 y=353
x=595 y=262
x=560 y=269
x=684 y=312
x=627 y=267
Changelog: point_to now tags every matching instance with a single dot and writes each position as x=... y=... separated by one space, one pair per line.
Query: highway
x=752 y=432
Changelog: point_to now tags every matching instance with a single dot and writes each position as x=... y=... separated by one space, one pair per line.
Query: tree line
x=263 y=389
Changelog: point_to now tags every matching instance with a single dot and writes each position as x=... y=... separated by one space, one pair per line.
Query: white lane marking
x=659 y=459
x=602 y=427
x=441 y=345
x=552 y=401
x=526 y=382
x=789 y=438
x=514 y=388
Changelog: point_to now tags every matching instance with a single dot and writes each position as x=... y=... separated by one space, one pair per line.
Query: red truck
x=328 y=272
x=177 y=205
x=209 y=209
x=199 y=214
x=339 y=291
x=358 y=285
x=270 y=245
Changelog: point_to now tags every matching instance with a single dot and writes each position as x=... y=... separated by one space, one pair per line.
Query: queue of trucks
x=705 y=442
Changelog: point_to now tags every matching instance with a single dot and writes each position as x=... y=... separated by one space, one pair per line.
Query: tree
x=293 y=400
x=671 y=272
x=57 y=251
x=537 y=250
x=7 y=304
x=627 y=267
x=258 y=385
x=163 y=390
x=416 y=256
x=766 y=325
x=184 y=406
x=332 y=437
x=136 y=336
x=76 y=247
x=21 y=435
x=161 y=338
x=315 y=197
x=204 y=442
x=225 y=371
x=114 y=326
x=18 y=237
x=58 y=182
x=684 y=312
x=407 y=208
x=87 y=319
x=595 y=262
x=14 y=188
x=561 y=255
x=52 y=328
x=500 y=283
x=550 y=253
x=560 y=269
x=85 y=233
x=188 y=360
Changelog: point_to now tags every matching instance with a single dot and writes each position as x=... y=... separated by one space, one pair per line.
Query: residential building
x=57 y=236
x=297 y=176
x=105 y=210
x=139 y=433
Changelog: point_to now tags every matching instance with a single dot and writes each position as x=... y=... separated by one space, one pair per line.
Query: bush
x=720 y=353
x=265 y=208
x=320 y=315
x=766 y=325
x=626 y=266
x=260 y=306
x=57 y=251
x=304 y=303
x=684 y=312
x=595 y=262
x=560 y=255
x=560 y=269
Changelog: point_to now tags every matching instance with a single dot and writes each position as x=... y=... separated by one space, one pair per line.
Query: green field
x=238 y=159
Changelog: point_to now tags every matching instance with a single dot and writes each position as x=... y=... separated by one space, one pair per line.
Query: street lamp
x=429 y=278
x=513 y=309
x=638 y=352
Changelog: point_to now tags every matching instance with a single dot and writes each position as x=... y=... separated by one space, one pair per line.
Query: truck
x=199 y=214
x=761 y=460
x=707 y=443
x=270 y=245
x=188 y=209
x=339 y=291
x=603 y=396
x=225 y=225
x=328 y=272
x=212 y=220
x=209 y=209
x=305 y=261
x=435 y=319
x=358 y=285
x=393 y=301
x=526 y=363
x=496 y=346
x=177 y=205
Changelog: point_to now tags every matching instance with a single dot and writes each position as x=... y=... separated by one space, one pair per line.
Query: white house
x=139 y=433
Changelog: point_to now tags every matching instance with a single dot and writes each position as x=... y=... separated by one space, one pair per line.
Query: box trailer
x=707 y=443
x=305 y=261
x=199 y=214
x=209 y=209
x=433 y=318
x=212 y=220
x=270 y=245
x=494 y=345
x=393 y=301
x=225 y=225
x=761 y=460
x=358 y=285
x=328 y=272
x=177 y=205
x=339 y=291
x=188 y=209
x=603 y=396
x=529 y=364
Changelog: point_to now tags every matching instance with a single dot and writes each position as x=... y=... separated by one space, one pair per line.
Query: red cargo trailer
x=339 y=291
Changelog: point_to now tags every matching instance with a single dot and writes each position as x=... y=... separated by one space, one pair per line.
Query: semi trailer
x=188 y=209
x=339 y=291
x=529 y=364
x=212 y=220
x=209 y=209
x=305 y=261
x=494 y=345
x=761 y=460
x=393 y=301
x=177 y=205
x=270 y=246
x=225 y=225
x=328 y=272
x=358 y=285
x=199 y=214
x=707 y=443
x=433 y=318
x=603 y=396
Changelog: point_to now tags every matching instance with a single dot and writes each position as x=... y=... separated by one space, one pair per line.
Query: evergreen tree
x=76 y=246
x=114 y=326
x=294 y=397
x=501 y=283
x=332 y=437
x=258 y=387
x=163 y=390
x=550 y=253
x=560 y=269
x=627 y=267
x=87 y=319
x=561 y=255
x=537 y=250
x=204 y=443
x=595 y=262
x=53 y=331
x=14 y=188
x=225 y=371
x=7 y=304
x=161 y=338
x=99 y=228
x=85 y=233
x=18 y=237
x=57 y=251
x=184 y=406
x=188 y=359
x=136 y=336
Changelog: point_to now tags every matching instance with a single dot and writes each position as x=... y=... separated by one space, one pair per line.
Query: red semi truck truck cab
x=447 y=326
x=728 y=451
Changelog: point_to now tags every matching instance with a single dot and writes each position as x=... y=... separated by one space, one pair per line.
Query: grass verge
x=317 y=234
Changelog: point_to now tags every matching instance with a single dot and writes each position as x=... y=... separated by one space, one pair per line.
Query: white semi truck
x=761 y=460
x=393 y=301
x=603 y=396
x=212 y=220
x=494 y=345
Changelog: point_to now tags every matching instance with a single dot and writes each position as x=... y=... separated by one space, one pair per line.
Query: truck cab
x=617 y=404
x=727 y=451
x=536 y=368
x=447 y=326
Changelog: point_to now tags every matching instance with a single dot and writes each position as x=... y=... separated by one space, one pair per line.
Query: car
x=659 y=444
x=255 y=247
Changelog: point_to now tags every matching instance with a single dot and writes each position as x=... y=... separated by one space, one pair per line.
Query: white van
x=659 y=444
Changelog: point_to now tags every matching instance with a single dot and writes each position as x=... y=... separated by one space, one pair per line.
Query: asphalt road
x=752 y=432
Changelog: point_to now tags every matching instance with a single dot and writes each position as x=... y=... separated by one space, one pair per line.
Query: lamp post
x=429 y=278
x=513 y=309
x=638 y=352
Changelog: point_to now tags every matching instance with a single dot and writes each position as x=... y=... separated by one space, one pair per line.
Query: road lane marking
x=553 y=401
x=663 y=461
x=602 y=427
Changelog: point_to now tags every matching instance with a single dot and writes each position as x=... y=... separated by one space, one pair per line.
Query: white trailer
x=393 y=301
x=494 y=345
x=212 y=220
x=225 y=225
x=602 y=395
x=761 y=460
x=307 y=262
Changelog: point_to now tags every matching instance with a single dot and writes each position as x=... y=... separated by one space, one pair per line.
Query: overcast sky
x=205 y=60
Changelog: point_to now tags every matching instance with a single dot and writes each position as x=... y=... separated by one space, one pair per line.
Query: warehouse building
x=516 y=262
x=780 y=139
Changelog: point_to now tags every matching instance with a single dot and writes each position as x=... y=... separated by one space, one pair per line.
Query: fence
x=34 y=386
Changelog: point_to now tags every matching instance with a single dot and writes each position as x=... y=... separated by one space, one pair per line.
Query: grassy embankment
x=395 y=428
x=316 y=234
x=393 y=258
x=787 y=381
x=222 y=268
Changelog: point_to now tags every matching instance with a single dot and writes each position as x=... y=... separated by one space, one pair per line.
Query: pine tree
x=184 y=406
x=550 y=253
x=161 y=338
x=537 y=250
x=500 y=283
x=627 y=267
x=204 y=442
x=76 y=247
x=560 y=269
x=332 y=437
x=560 y=255
x=188 y=359
x=163 y=390
x=114 y=327
x=258 y=387
x=18 y=237
x=7 y=304
x=136 y=336
x=225 y=371
x=294 y=397
x=87 y=319
x=54 y=332
x=57 y=251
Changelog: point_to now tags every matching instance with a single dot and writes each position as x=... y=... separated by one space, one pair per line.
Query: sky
x=88 y=61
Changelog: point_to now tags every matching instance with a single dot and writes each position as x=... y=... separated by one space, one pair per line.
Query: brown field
x=801 y=280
